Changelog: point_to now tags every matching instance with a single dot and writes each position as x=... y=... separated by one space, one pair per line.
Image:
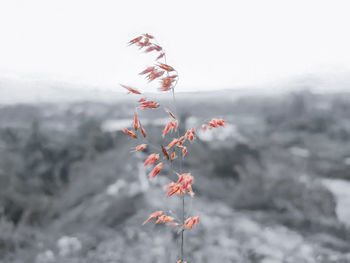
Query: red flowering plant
x=161 y=156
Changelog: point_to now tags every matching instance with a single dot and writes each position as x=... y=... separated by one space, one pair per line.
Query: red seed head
x=165 y=153
x=148 y=36
x=156 y=170
x=135 y=40
x=160 y=56
x=151 y=159
x=136 y=122
x=153 y=216
x=166 y=67
x=130 y=133
x=147 y=70
x=130 y=89
x=142 y=130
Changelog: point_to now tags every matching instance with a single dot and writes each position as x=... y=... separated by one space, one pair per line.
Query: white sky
x=213 y=44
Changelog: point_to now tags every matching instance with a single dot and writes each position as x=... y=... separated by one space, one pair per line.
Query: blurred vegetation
x=66 y=175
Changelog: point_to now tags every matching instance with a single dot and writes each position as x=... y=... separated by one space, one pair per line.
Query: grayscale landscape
x=270 y=187
x=174 y=131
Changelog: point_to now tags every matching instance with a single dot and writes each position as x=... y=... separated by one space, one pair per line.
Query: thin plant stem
x=181 y=165
x=181 y=161
x=182 y=232
x=183 y=196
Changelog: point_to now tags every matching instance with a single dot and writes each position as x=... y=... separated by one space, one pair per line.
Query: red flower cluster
x=161 y=218
x=154 y=72
x=215 y=123
x=190 y=222
x=148 y=104
x=184 y=183
x=168 y=82
x=190 y=134
x=172 y=125
x=153 y=216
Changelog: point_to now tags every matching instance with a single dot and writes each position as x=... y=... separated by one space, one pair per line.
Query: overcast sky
x=213 y=44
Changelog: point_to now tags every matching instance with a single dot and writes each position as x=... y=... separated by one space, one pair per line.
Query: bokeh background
x=272 y=186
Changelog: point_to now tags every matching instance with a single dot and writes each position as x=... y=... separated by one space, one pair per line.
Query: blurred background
x=272 y=186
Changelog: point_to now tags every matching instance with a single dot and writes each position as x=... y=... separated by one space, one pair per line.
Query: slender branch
x=183 y=196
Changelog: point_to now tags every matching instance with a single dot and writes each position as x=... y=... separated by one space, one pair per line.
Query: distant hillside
x=17 y=90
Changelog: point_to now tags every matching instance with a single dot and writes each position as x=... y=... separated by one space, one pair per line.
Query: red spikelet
x=190 y=134
x=189 y=223
x=160 y=56
x=172 y=125
x=151 y=159
x=154 y=74
x=181 y=186
x=135 y=40
x=140 y=147
x=166 y=67
x=170 y=113
x=131 y=90
x=173 y=155
x=172 y=143
x=165 y=153
x=153 y=216
x=184 y=150
x=147 y=70
x=190 y=191
x=221 y=122
x=150 y=49
x=130 y=133
x=165 y=219
x=166 y=129
x=136 y=122
x=215 y=123
x=181 y=140
x=158 y=48
x=156 y=170
x=174 y=189
x=148 y=36
x=141 y=44
x=142 y=130
x=185 y=179
x=166 y=83
x=146 y=42
x=148 y=104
